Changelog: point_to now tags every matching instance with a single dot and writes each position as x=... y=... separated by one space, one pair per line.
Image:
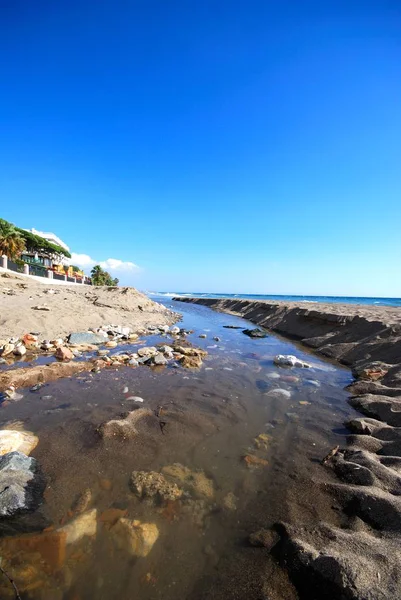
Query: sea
x=312 y=299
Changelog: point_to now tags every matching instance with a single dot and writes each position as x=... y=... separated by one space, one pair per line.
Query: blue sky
x=226 y=146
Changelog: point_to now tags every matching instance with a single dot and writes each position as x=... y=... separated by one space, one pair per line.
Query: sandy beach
x=28 y=306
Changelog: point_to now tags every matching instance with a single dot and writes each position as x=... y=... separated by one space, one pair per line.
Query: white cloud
x=110 y=264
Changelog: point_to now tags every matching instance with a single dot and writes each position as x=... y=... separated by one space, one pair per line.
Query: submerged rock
x=84 y=525
x=263 y=538
x=278 y=393
x=124 y=428
x=196 y=481
x=82 y=502
x=191 y=362
x=254 y=462
x=21 y=485
x=255 y=333
x=13 y=440
x=150 y=484
x=134 y=537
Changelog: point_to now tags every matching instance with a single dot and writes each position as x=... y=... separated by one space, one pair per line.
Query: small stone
x=262 y=441
x=253 y=461
x=41 y=307
x=133 y=362
x=8 y=349
x=159 y=359
x=82 y=501
x=263 y=538
x=84 y=525
x=288 y=360
x=135 y=398
x=111 y=344
x=64 y=353
x=196 y=481
x=278 y=393
x=164 y=328
x=191 y=362
x=175 y=330
x=150 y=484
x=20 y=350
x=255 y=333
x=217 y=339
x=229 y=501
x=135 y=537
x=203 y=335
x=105 y=484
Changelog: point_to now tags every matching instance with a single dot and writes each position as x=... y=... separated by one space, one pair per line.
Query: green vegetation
x=100 y=277
x=35 y=243
x=12 y=244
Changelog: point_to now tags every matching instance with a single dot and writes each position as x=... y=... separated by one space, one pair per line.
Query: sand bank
x=66 y=309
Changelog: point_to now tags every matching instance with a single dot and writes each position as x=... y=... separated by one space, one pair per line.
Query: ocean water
x=311 y=299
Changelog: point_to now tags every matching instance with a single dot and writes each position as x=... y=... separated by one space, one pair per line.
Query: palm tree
x=11 y=242
x=97 y=274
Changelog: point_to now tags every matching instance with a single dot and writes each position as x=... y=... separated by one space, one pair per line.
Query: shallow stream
x=212 y=417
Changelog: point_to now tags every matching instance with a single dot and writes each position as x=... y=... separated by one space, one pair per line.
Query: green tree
x=101 y=277
x=11 y=242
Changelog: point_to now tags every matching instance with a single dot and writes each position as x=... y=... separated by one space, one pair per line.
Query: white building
x=50 y=237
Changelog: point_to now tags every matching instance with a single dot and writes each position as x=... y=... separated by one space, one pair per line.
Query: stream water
x=212 y=416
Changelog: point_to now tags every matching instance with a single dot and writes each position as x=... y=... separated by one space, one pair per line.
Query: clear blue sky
x=230 y=146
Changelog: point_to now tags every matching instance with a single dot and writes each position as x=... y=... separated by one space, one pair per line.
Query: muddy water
x=212 y=417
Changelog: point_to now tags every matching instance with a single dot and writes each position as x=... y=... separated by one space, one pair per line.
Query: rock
x=50 y=546
x=86 y=337
x=217 y=339
x=255 y=333
x=278 y=393
x=159 y=359
x=191 y=362
x=229 y=501
x=164 y=328
x=82 y=502
x=253 y=461
x=111 y=344
x=189 y=351
x=105 y=484
x=8 y=349
x=287 y=360
x=147 y=351
x=196 y=481
x=84 y=525
x=124 y=428
x=262 y=385
x=20 y=350
x=135 y=398
x=103 y=352
x=47 y=346
x=232 y=327
x=166 y=349
x=150 y=484
x=64 y=353
x=264 y=538
x=57 y=342
x=133 y=362
x=21 y=485
x=133 y=336
x=12 y=440
x=262 y=441
x=41 y=307
x=203 y=335
x=134 y=537
x=175 y=330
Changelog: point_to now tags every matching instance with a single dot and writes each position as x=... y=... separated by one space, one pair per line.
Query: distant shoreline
x=358 y=300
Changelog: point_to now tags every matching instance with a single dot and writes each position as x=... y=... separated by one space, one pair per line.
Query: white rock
x=175 y=330
x=20 y=350
x=81 y=526
x=7 y=349
x=164 y=328
x=288 y=360
x=273 y=376
x=278 y=393
x=125 y=390
x=12 y=440
x=135 y=537
x=135 y=398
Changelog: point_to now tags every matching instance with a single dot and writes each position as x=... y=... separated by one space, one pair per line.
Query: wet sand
x=212 y=416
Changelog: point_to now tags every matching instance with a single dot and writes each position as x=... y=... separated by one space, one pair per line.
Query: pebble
x=135 y=398
x=125 y=390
